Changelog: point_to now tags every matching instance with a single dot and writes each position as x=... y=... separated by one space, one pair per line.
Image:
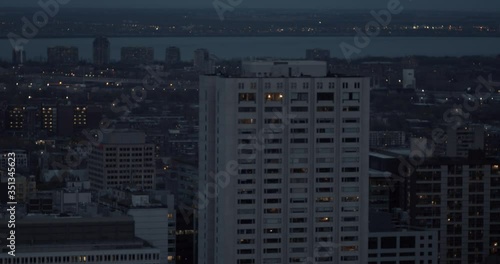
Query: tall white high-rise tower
x=283 y=165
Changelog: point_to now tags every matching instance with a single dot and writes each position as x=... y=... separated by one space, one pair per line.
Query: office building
x=409 y=80
x=22 y=120
x=283 y=165
x=62 y=55
x=388 y=188
x=184 y=173
x=78 y=239
x=42 y=202
x=202 y=62
x=71 y=119
x=155 y=223
x=49 y=119
x=122 y=159
x=183 y=177
x=71 y=201
x=15 y=117
x=403 y=247
x=18 y=56
x=460 y=198
x=172 y=55
x=32 y=117
x=383 y=139
x=101 y=51
x=25 y=186
x=492 y=141
x=21 y=158
x=393 y=240
x=464 y=139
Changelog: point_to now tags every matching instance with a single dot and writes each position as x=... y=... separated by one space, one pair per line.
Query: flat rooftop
x=136 y=243
x=328 y=75
x=381 y=156
x=53 y=219
x=378 y=173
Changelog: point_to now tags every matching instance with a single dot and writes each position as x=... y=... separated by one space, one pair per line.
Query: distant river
x=285 y=47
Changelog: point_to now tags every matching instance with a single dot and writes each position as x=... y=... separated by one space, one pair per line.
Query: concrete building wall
x=291 y=140
x=151 y=224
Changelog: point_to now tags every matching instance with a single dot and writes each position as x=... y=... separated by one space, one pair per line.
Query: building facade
x=461 y=140
x=202 y=62
x=78 y=239
x=22 y=158
x=409 y=80
x=15 y=117
x=101 y=51
x=86 y=254
x=382 y=139
x=18 y=56
x=294 y=146
x=460 y=198
x=403 y=247
x=185 y=173
x=122 y=159
x=62 y=55
x=152 y=225
x=172 y=55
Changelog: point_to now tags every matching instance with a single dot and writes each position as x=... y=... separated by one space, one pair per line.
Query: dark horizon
x=296 y=9
x=447 y=5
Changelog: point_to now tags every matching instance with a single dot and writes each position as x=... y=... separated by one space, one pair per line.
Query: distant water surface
x=285 y=47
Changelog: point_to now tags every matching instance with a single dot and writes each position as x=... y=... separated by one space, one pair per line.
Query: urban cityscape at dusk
x=238 y=132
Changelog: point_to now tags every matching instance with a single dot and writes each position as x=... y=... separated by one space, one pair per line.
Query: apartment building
x=461 y=198
x=283 y=165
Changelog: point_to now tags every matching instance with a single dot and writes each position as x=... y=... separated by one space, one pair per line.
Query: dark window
x=407 y=242
x=372 y=243
x=249 y=97
x=299 y=108
x=273 y=109
x=325 y=96
x=388 y=242
x=246 y=109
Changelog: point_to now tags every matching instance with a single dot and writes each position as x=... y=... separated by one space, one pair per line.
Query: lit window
x=274 y=96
